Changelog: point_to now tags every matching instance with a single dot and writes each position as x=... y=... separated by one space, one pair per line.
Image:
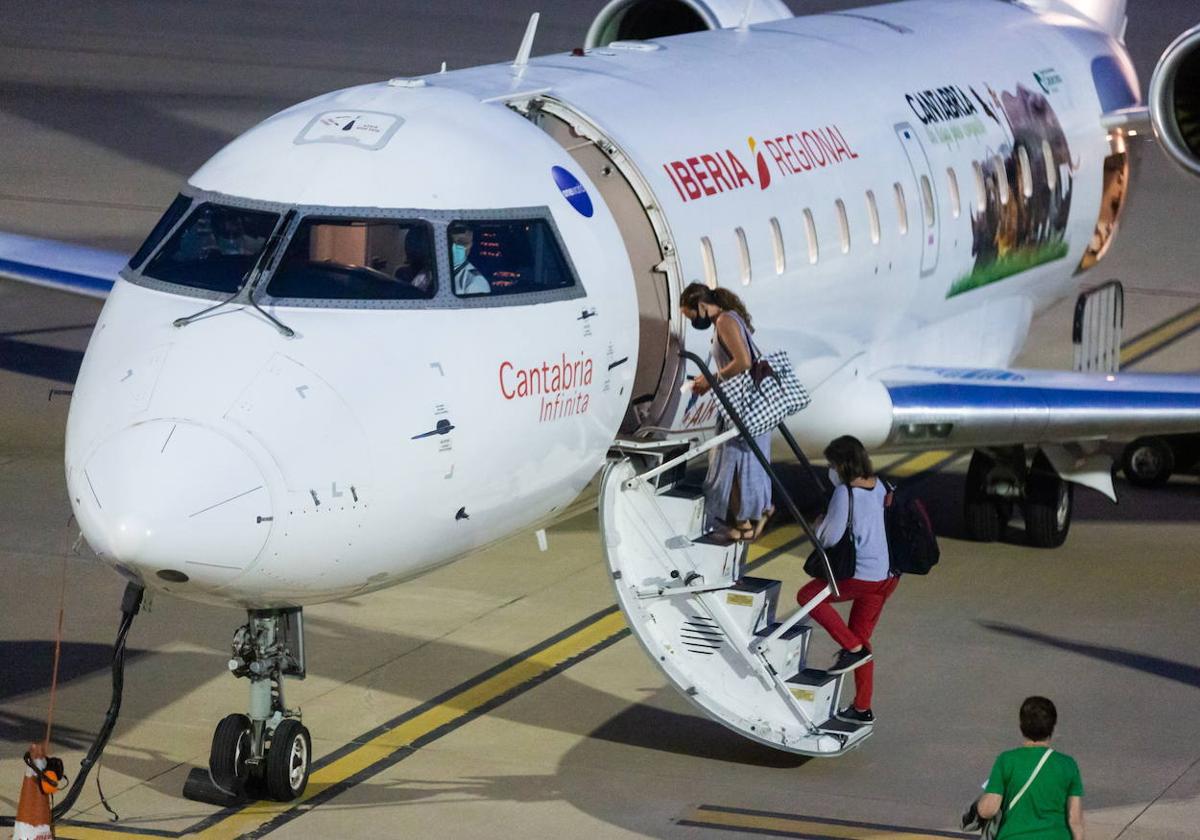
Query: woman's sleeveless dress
x=735 y=460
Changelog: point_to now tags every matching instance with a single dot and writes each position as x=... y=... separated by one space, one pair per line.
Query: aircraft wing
x=59 y=265
x=938 y=408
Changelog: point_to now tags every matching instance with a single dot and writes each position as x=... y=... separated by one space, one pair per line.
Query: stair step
x=813 y=677
x=842 y=727
x=714 y=538
x=794 y=632
x=685 y=491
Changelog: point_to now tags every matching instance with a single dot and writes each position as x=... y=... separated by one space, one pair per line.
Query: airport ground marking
x=810 y=828
x=1160 y=337
x=386 y=745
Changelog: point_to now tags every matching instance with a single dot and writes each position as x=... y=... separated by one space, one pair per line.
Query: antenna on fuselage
x=522 y=60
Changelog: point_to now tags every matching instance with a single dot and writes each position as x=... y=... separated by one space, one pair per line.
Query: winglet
x=522 y=60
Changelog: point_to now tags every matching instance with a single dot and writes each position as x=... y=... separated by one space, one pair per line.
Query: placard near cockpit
x=369 y=130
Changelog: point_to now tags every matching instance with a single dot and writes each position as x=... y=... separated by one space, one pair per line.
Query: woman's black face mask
x=702 y=322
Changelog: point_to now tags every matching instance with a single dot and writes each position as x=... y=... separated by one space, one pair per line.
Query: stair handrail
x=762 y=459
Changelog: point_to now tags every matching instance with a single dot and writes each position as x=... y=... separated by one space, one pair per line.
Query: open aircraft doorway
x=656 y=272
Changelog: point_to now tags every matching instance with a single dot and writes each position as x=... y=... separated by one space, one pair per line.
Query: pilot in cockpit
x=467 y=278
x=417 y=271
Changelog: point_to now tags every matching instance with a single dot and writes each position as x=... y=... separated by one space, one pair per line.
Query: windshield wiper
x=250 y=281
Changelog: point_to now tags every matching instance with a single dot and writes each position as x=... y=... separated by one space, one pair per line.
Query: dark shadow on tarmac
x=659 y=729
x=28 y=664
x=54 y=363
x=1179 y=672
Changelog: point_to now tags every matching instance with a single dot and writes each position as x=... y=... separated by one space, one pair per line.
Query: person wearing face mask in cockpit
x=737 y=490
x=466 y=277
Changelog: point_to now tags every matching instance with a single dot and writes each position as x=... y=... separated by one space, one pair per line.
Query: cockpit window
x=505 y=258
x=351 y=259
x=174 y=213
x=214 y=249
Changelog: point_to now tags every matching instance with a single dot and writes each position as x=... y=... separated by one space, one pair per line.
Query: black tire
x=1148 y=462
x=981 y=513
x=1048 y=504
x=288 y=761
x=227 y=757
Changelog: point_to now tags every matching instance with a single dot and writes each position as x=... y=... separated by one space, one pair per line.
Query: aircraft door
x=654 y=393
x=925 y=220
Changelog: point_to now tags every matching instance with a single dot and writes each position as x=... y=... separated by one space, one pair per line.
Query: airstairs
x=712 y=630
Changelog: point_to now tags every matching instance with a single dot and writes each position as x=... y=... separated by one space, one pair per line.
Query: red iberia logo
x=795 y=153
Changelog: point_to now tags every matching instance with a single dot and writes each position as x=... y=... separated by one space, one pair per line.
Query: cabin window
x=843 y=225
x=927 y=201
x=777 y=244
x=743 y=255
x=955 y=200
x=1001 y=178
x=214 y=249
x=873 y=217
x=901 y=209
x=810 y=231
x=1051 y=169
x=174 y=213
x=354 y=259
x=980 y=187
x=710 y=263
x=1024 y=172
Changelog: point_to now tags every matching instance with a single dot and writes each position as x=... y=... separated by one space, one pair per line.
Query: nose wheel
x=268 y=751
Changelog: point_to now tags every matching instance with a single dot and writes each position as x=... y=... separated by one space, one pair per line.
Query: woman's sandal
x=761 y=525
x=742 y=534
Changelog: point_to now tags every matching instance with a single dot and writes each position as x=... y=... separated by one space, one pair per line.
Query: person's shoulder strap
x=1029 y=781
x=850 y=514
x=746 y=334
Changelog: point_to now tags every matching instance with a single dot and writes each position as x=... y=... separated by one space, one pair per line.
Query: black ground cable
x=131 y=604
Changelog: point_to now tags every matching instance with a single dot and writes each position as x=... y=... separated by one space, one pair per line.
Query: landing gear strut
x=267 y=751
x=999 y=480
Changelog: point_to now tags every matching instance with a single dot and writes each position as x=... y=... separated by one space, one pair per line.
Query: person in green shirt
x=1051 y=807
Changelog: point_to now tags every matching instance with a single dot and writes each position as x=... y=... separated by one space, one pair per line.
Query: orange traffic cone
x=33 y=811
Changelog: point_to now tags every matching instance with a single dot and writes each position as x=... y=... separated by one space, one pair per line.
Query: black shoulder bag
x=843 y=556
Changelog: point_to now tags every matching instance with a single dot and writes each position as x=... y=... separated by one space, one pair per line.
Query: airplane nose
x=174 y=501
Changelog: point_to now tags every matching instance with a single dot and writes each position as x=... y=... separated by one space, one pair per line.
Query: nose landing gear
x=266 y=752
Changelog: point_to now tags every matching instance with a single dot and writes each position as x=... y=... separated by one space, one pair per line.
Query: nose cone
x=175 y=501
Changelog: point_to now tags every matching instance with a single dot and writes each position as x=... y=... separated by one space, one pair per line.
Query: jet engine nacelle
x=641 y=20
x=1175 y=100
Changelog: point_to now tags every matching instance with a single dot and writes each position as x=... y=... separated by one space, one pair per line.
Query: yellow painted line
x=80 y=832
x=386 y=744
x=1151 y=341
x=922 y=462
x=787 y=825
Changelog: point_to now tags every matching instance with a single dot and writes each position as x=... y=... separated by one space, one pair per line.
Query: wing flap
x=59 y=265
x=967 y=407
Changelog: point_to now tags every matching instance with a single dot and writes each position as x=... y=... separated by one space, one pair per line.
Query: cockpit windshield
x=505 y=257
x=357 y=258
x=351 y=259
x=214 y=249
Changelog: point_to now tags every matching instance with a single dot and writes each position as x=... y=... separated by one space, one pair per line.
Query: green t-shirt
x=1042 y=811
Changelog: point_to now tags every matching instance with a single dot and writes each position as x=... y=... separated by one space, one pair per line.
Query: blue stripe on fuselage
x=55 y=277
x=965 y=397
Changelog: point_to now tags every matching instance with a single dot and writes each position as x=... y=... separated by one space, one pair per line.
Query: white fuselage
x=223 y=461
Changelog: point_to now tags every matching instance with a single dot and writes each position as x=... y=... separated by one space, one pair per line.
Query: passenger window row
x=989 y=183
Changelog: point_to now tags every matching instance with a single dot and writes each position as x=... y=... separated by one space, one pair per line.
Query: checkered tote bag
x=766 y=393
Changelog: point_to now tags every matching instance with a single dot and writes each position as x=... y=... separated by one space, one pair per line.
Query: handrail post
x=765 y=462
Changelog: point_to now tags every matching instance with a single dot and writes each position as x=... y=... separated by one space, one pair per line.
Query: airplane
x=396 y=323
